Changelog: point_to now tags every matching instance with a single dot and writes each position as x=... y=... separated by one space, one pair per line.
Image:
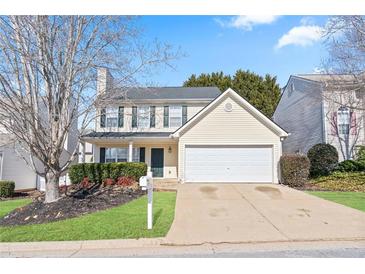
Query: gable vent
x=228 y=107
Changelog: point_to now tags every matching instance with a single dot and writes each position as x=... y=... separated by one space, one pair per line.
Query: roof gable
x=243 y=103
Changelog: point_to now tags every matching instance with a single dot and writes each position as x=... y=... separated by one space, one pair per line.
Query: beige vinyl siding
x=170 y=159
x=192 y=109
x=237 y=127
x=300 y=113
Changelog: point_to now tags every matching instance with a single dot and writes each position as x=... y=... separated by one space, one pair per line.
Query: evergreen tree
x=261 y=92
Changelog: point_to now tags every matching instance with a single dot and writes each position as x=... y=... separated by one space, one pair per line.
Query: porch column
x=130 y=152
x=82 y=146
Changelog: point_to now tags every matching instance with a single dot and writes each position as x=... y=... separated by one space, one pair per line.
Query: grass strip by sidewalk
x=122 y=222
x=350 y=199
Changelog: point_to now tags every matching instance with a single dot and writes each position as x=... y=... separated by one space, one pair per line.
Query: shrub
x=294 y=169
x=360 y=155
x=76 y=173
x=7 y=188
x=351 y=166
x=125 y=181
x=323 y=159
x=347 y=166
x=99 y=172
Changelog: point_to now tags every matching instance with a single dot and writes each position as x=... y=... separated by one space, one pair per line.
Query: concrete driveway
x=237 y=213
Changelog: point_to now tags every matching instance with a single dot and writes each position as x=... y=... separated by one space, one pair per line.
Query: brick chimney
x=104 y=80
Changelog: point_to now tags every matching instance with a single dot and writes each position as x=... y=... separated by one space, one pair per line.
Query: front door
x=157 y=162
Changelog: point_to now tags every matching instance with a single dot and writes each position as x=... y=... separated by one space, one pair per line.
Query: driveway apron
x=238 y=213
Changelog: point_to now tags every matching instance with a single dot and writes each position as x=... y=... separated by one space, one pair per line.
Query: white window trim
x=135 y=153
x=181 y=118
x=111 y=113
x=341 y=112
x=148 y=115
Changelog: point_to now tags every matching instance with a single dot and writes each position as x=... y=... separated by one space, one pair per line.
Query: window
x=175 y=113
x=143 y=117
x=343 y=121
x=120 y=154
x=111 y=117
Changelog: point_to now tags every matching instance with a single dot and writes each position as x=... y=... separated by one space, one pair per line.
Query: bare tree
x=48 y=80
x=344 y=82
x=346 y=122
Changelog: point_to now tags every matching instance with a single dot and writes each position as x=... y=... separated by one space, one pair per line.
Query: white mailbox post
x=146 y=182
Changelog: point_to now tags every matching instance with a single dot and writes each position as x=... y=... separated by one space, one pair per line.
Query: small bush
x=323 y=159
x=125 y=181
x=99 y=172
x=360 y=155
x=294 y=169
x=347 y=166
x=7 y=188
x=351 y=166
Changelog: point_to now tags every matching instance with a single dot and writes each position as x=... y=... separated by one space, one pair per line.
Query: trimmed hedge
x=7 y=188
x=294 y=169
x=351 y=166
x=323 y=159
x=99 y=172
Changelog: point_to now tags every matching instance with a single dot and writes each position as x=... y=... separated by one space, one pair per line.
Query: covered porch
x=158 y=151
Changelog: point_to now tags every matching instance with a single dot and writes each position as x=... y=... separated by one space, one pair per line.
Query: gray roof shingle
x=125 y=134
x=168 y=93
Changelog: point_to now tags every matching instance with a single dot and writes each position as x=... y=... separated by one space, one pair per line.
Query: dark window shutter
x=134 y=116
x=184 y=114
x=334 y=124
x=142 y=153
x=353 y=123
x=152 y=116
x=102 y=117
x=121 y=117
x=102 y=155
x=166 y=116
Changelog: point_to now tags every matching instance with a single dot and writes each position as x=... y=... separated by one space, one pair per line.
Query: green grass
x=340 y=181
x=351 y=199
x=7 y=206
x=122 y=222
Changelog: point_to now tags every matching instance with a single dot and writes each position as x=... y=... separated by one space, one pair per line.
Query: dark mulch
x=76 y=203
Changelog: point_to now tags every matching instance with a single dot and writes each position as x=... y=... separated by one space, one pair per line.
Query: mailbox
x=143 y=182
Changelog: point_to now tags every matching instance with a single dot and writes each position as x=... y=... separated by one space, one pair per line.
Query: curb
x=75 y=246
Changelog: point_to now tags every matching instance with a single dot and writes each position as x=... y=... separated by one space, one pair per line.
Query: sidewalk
x=155 y=248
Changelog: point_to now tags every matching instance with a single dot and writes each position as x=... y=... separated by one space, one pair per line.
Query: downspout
x=324 y=122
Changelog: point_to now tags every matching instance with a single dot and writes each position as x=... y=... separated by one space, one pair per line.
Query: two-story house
x=322 y=108
x=186 y=134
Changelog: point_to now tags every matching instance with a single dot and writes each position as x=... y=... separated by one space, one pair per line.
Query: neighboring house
x=187 y=134
x=13 y=166
x=321 y=108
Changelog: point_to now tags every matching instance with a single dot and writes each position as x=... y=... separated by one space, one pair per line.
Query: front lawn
x=122 y=222
x=339 y=181
x=7 y=206
x=351 y=199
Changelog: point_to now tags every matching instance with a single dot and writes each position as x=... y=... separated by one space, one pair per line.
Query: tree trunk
x=52 y=188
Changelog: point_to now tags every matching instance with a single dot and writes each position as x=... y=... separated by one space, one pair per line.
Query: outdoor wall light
x=170 y=149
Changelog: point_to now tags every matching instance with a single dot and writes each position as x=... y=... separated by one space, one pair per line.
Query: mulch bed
x=75 y=203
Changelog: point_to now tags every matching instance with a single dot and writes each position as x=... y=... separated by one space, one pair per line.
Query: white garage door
x=234 y=164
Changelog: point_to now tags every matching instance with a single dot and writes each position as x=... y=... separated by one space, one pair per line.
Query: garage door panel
x=228 y=164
